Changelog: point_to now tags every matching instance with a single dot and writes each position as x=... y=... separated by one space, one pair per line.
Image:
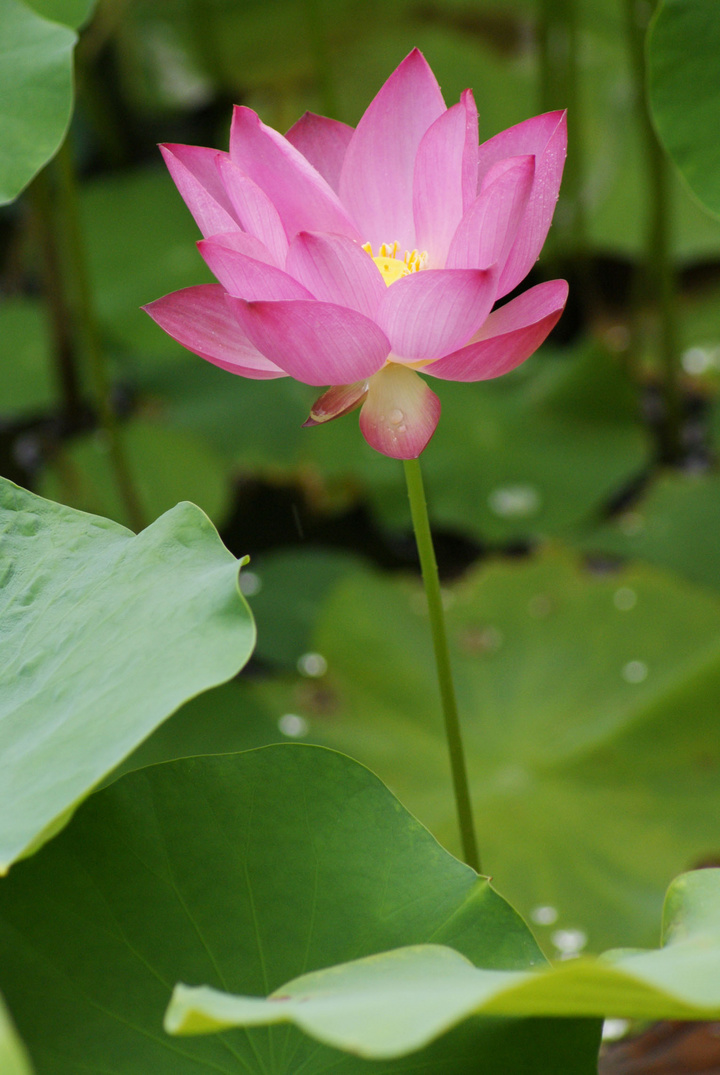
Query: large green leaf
x=70 y=12
x=243 y=871
x=103 y=636
x=589 y=708
x=394 y=1003
x=224 y=720
x=288 y=588
x=674 y=525
x=36 y=93
x=13 y=1056
x=684 y=85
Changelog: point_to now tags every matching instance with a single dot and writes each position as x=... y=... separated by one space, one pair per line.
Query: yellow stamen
x=391 y=266
x=415 y=260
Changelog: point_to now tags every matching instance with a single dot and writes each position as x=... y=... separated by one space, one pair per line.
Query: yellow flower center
x=391 y=266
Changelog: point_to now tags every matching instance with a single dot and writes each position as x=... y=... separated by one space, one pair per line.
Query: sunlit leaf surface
x=397 y=1002
x=103 y=634
x=70 y=12
x=36 y=93
x=243 y=871
x=684 y=86
x=674 y=525
x=13 y=1057
x=589 y=707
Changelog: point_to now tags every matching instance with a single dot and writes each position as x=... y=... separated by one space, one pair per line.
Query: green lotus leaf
x=588 y=702
x=684 y=86
x=13 y=1055
x=103 y=635
x=397 y=1002
x=69 y=12
x=674 y=525
x=166 y=467
x=243 y=871
x=36 y=93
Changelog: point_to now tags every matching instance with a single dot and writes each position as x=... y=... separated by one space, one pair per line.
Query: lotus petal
x=428 y=314
x=194 y=172
x=303 y=199
x=510 y=335
x=335 y=269
x=315 y=342
x=254 y=210
x=323 y=142
x=400 y=414
x=445 y=178
x=488 y=230
x=376 y=181
x=339 y=400
x=200 y=319
x=545 y=137
x=245 y=276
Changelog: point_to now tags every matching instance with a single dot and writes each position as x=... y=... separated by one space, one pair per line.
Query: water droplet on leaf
x=544 y=916
x=294 y=726
x=569 y=942
x=614 y=1029
x=250 y=583
x=635 y=672
x=312 y=665
x=514 y=501
x=624 y=599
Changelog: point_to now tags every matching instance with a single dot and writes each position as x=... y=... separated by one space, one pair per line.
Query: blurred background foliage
x=575 y=501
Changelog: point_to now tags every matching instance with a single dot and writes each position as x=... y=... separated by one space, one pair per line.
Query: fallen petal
x=199 y=319
x=400 y=414
x=509 y=336
x=337 y=401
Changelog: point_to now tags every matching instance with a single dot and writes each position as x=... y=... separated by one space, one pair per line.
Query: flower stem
x=64 y=352
x=559 y=47
x=658 y=269
x=83 y=318
x=428 y=564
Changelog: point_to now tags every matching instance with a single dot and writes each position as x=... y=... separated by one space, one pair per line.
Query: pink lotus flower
x=354 y=258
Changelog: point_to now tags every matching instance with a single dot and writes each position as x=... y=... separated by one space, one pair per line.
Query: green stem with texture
x=431 y=579
x=64 y=351
x=558 y=48
x=80 y=302
x=659 y=271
